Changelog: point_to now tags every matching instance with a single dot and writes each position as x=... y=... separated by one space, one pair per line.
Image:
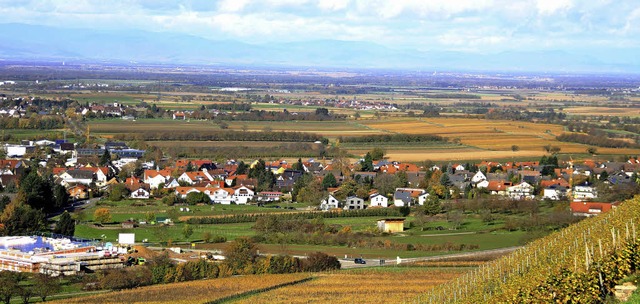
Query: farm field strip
x=202 y=291
x=388 y=285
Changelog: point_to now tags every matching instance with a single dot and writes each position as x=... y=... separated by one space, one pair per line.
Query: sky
x=482 y=26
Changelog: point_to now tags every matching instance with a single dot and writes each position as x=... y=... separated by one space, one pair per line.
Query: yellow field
x=633 y=112
x=492 y=139
x=190 y=292
x=361 y=286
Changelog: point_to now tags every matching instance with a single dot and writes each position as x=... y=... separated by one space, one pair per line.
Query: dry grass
x=361 y=286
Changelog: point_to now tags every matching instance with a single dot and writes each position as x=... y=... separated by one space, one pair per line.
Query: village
x=230 y=182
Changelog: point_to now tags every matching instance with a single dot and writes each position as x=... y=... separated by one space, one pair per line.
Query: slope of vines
x=579 y=264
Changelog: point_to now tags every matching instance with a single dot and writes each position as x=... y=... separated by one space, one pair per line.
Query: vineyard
x=203 y=291
x=382 y=285
x=579 y=264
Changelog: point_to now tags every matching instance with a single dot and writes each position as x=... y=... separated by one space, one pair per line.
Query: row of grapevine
x=248 y=218
x=579 y=264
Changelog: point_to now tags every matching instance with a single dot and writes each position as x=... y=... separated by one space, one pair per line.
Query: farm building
x=391 y=225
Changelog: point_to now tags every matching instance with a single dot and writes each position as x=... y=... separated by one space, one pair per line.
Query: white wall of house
x=379 y=201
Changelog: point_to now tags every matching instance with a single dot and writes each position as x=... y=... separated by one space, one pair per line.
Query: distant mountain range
x=44 y=43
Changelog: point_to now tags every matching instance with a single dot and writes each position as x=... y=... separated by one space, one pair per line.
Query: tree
x=190 y=167
x=405 y=210
x=61 y=196
x=105 y=158
x=102 y=215
x=367 y=164
x=603 y=176
x=432 y=206
x=385 y=183
x=194 y=198
x=515 y=148
x=240 y=253
x=66 y=225
x=377 y=153
x=8 y=285
x=445 y=181
x=45 y=285
x=118 y=192
x=149 y=217
x=187 y=231
x=298 y=166
x=329 y=181
x=592 y=150
x=21 y=219
x=37 y=192
x=320 y=261
x=242 y=168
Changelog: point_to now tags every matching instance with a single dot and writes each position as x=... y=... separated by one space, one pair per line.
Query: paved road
x=349 y=263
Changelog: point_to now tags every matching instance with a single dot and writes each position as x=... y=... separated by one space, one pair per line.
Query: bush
x=320 y=261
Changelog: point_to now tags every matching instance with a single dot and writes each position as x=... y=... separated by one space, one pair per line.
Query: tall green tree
x=61 y=196
x=66 y=225
x=37 y=192
x=105 y=158
x=298 y=165
x=242 y=168
x=367 y=164
x=329 y=181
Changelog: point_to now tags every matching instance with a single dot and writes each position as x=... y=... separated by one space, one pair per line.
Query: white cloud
x=550 y=7
x=232 y=5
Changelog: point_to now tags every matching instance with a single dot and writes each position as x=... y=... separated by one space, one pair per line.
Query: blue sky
x=482 y=26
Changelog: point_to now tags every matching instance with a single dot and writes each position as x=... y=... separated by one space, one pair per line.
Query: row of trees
x=224 y=135
x=600 y=141
x=40 y=122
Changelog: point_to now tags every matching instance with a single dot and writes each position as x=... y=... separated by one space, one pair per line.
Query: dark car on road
x=359 y=261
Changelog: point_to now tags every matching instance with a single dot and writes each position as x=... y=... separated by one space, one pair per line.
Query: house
x=498 y=187
x=584 y=192
x=555 y=192
x=401 y=199
x=76 y=176
x=195 y=177
x=100 y=174
x=140 y=193
x=156 y=177
x=378 y=200
x=391 y=225
x=406 y=196
x=618 y=178
x=354 y=202
x=223 y=196
x=522 y=190
x=530 y=176
x=329 y=203
x=242 y=195
x=422 y=198
x=267 y=196
x=78 y=191
x=179 y=116
x=591 y=208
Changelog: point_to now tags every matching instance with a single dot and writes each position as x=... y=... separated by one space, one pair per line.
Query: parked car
x=359 y=261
